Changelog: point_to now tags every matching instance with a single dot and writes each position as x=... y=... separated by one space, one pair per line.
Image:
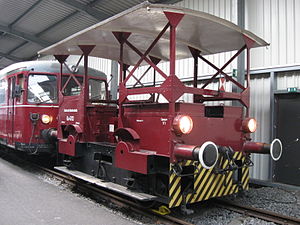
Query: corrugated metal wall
x=103 y=65
x=286 y=80
x=278 y=22
x=260 y=109
x=225 y=9
x=100 y=64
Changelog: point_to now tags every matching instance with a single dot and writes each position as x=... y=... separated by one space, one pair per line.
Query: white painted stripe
x=29 y=106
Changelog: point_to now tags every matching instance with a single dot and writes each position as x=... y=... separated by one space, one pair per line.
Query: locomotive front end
x=213 y=158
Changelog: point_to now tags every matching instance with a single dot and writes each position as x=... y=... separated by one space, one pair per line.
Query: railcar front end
x=29 y=104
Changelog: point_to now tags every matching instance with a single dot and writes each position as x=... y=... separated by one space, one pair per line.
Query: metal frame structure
x=171 y=81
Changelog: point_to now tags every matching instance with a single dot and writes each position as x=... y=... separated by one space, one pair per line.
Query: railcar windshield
x=42 y=89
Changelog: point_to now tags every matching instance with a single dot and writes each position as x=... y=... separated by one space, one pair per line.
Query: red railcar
x=173 y=152
x=29 y=103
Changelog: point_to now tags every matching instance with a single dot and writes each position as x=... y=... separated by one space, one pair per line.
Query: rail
x=258 y=213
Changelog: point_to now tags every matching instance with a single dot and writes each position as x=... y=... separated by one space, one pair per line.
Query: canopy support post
x=249 y=43
x=86 y=50
x=121 y=37
x=195 y=53
x=61 y=59
x=174 y=19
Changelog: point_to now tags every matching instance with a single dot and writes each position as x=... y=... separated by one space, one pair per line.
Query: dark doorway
x=287 y=169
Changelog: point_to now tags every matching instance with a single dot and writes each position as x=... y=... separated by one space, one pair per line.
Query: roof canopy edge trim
x=207 y=33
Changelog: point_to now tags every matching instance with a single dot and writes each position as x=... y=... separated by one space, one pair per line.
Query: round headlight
x=183 y=124
x=249 y=125
x=46 y=119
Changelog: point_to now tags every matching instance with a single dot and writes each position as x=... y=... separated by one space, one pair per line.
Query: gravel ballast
x=286 y=202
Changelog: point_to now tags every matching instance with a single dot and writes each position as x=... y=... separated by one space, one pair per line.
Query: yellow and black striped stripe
x=175 y=194
x=207 y=184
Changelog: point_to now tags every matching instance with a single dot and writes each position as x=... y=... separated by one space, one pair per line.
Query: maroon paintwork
x=79 y=120
x=15 y=123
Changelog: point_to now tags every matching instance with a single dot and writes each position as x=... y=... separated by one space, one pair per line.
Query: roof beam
x=25 y=36
x=85 y=8
x=10 y=57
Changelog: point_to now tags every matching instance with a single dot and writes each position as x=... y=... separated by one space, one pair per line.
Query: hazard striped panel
x=175 y=194
x=207 y=184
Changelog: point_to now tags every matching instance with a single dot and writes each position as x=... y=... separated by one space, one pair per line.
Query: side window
x=72 y=87
x=3 y=90
x=97 y=90
x=12 y=84
x=20 y=82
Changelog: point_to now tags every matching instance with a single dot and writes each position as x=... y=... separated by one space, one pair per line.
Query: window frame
x=56 y=86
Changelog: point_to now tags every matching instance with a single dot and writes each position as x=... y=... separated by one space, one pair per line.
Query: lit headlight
x=183 y=124
x=249 y=125
x=46 y=119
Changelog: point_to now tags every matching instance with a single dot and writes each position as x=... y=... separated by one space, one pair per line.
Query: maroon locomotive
x=172 y=152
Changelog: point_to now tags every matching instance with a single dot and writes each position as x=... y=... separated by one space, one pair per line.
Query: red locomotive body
x=171 y=152
x=152 y=121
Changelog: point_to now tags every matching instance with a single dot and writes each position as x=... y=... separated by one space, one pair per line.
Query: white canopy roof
x=202 y=31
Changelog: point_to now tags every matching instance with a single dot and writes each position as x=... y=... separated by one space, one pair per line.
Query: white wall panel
x=103 y=65
x=277 y=22
x=261 y=111
x=225 y=9
x=288 y=79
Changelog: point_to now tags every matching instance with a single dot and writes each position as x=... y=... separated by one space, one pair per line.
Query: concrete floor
x=27 y=199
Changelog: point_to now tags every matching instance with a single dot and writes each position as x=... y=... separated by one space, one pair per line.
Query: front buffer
x=213 y=175
x=196 y=183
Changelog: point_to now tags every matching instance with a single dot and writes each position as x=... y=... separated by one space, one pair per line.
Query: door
x=287 y=169
x=11 y=110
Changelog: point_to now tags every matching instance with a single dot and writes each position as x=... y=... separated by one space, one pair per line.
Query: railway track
x=164 y=219
x=258 y=213
x=168 y=219
x=116 y=199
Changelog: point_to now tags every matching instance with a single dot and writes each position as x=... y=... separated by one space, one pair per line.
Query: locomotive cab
x=86 y=113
